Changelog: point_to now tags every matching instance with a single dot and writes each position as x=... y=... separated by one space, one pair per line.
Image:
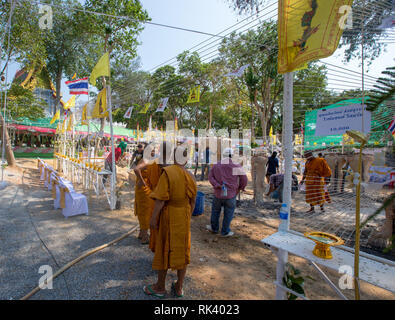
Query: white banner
x=337 y=121
x=162 y=105
x=128 y=113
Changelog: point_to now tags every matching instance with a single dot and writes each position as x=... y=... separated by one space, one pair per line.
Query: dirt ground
x=239 y=267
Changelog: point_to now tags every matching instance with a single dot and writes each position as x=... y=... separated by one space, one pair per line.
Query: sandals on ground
x=174 y=291
x=150 y=292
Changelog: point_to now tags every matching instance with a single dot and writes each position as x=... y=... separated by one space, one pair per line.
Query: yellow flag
x=70 y=104
x=58 y=128
x=84 y=118
x=74 y=76
x=271 y=131
x=194 y=95
x=176 y=124
x=309 y=30
x=145 y=108
x=70 y=124
x=100 y=110
x=102 y=68
x=64 y=126
x=55 y=117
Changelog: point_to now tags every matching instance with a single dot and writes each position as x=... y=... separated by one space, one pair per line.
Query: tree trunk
x=252 y=123
x=210 y=118
x=58 y=89
x=8 y=149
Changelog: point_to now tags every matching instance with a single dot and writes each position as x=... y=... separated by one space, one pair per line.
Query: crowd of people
x=165 y=195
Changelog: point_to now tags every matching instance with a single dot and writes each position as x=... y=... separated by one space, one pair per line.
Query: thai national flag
x=391 y=128
x=79 y=86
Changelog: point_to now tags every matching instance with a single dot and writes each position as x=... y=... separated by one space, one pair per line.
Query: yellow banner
x=145 y=108
x=55 y=117
x=70 y=104
x=194 y=95
x=100 y=110
x=84 y=118
x=309 y=30
x=102 y=68
x=70 y=124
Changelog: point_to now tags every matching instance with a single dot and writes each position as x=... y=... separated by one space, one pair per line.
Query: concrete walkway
x=33 y=234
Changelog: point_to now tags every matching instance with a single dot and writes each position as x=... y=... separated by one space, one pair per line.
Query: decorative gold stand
x=323 y=242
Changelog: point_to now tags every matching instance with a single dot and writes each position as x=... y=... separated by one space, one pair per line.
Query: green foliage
x=116 y=35
x=385 y=90
x=293 y=280
x=367 y=17
x=22 y=103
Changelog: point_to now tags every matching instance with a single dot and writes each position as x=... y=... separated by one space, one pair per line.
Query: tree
x=21 y=102
x=116 y=30
x=258 y=49
x=367 y=16
x=65 y=44
x=26 y=45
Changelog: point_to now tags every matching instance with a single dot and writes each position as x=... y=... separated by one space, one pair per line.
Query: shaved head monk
x=315 y=176
x=174 y=198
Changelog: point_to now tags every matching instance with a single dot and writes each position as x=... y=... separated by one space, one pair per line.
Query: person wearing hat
x=227 y=179
x=137 y=156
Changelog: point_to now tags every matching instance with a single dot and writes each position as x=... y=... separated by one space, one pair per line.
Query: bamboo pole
x=83 y=256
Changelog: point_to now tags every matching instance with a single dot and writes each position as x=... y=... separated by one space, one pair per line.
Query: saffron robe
x=143 y=204
x=172 y=242
x=316 y=170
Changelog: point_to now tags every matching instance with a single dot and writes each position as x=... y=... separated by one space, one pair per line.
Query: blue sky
x=160 y=44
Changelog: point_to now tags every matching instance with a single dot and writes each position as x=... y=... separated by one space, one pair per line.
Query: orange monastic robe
x=316 y=170
x=172 y=242
x=143 y=204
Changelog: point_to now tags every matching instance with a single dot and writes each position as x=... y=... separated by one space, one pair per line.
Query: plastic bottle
x=283 y=217
x=224 y=190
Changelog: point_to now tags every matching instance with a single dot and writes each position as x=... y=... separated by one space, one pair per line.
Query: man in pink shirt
x=228 y=179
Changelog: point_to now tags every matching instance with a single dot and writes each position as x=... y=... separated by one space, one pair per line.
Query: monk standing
x=147 y=173
x=174 y=197
x=315 y=176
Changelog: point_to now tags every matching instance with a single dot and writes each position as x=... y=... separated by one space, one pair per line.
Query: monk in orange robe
x=316 y=174
x=175 y=197
x=147 y=173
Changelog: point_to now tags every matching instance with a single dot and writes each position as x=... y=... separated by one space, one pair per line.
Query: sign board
x=339 y=120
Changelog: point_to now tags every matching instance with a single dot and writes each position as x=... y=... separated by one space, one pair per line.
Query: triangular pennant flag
x=84 y=118
x=162 y=105
x=55 y=117
x=102 y=68
x=74 y=76
x=145 y=108
x=70 y=104
x=194 y=95
x=128 y=113
x=237 y=73
x=58 y=128
x=100 y=109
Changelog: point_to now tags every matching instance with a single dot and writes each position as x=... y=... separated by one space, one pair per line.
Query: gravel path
x=33 y=234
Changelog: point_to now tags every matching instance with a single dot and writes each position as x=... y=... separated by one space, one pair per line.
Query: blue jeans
x=204 y=166
x=229 y=208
